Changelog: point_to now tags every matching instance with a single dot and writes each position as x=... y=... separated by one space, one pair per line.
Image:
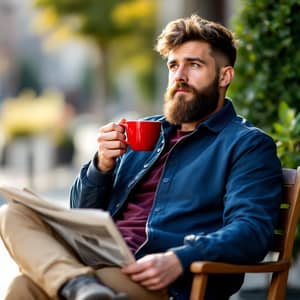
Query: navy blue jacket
x=217 y=199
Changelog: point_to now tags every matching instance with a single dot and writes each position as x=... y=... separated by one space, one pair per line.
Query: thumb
x=121 y=120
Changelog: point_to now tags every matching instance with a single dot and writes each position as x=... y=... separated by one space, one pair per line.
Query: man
x=210 y=190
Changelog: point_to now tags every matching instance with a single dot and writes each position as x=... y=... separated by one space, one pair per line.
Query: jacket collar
x=220 y=119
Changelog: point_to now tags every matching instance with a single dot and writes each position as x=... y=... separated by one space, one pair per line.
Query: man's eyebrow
x=189 y=59
x=195 y=59
x=171 y=61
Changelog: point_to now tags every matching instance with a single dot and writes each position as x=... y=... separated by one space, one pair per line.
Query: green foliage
x=122 y=29
x=90 y=18
x=267 y=69
x=266 y=87
x=286 y=132
x=96 y=18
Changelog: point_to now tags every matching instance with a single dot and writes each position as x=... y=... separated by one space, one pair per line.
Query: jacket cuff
x=184 y=255
x=95 y=176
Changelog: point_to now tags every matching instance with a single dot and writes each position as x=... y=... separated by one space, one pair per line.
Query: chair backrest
x=289 y=214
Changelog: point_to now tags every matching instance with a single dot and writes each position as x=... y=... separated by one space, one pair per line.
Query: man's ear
x=226 y=76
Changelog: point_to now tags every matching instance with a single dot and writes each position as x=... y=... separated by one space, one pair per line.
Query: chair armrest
x=208 y=267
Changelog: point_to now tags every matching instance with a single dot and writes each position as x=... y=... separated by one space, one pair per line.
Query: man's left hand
x=155 y=271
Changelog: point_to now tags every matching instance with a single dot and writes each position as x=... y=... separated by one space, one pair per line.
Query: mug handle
x=125 y=125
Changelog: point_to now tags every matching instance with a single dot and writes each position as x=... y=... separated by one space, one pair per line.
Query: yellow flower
x=45 y=20
x=60 y=35
x=125 y=13
x=27 y=114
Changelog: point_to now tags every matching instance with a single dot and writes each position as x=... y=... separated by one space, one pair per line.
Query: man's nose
x=180 y=75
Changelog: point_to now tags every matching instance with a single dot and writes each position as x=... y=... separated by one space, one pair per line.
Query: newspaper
x=91 y=233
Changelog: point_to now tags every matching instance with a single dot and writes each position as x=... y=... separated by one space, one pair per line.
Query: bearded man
x=210 y=190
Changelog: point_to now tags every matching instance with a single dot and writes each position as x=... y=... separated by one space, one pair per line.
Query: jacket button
x=166 y=180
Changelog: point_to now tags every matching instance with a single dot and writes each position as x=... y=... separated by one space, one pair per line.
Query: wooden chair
x=284 y=241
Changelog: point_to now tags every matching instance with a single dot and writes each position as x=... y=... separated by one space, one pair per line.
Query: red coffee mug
x=141 y=135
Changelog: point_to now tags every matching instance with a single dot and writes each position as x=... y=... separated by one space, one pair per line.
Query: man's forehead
x=190 y=50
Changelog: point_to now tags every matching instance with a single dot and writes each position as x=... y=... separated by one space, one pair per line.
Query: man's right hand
x=111 y=145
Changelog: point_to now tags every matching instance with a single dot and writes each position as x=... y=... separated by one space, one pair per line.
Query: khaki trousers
x=46 y=262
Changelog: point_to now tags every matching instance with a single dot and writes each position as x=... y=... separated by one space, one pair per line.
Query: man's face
x=193 y=90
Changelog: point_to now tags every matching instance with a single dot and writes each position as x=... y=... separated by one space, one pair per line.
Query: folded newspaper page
x=91 y=233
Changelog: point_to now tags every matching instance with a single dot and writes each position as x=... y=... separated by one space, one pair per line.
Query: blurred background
x=68 y=67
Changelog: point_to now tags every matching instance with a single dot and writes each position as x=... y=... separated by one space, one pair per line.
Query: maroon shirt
x=132 y=221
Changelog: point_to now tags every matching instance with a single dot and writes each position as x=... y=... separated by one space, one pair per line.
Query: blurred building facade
x=71 y=68
x=24 y=63
x=8 y=47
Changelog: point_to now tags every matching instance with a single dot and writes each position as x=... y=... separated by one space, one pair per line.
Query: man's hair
x=195 y=28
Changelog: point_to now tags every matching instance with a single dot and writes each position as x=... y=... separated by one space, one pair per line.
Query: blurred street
x=8 y=269
x=54 y=186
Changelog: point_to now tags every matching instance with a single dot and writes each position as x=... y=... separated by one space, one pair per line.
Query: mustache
x=179 y=85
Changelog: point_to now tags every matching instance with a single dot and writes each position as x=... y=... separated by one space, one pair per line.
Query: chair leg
x=278 y=286
x=199 y=287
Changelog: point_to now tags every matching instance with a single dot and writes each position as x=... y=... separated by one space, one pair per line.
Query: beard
x=178 y=109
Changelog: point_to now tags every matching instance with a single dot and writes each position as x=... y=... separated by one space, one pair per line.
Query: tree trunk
x=212 y=10
x=102 y=92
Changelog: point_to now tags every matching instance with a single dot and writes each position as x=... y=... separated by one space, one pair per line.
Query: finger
x=110 y=136
x=154 y=283
x=148 y=274
x=112 y=154
x=137 y=267
x=121 y=120
x=153 y=286
x=111 y=150
x=112 y=127
x=112 y=145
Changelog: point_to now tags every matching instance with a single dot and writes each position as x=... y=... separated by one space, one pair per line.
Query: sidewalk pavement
x=8 y=267
x=53 y=186
x=8 y=270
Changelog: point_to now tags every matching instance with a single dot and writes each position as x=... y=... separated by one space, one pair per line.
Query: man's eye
x=195 y=65
x=172 y=67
